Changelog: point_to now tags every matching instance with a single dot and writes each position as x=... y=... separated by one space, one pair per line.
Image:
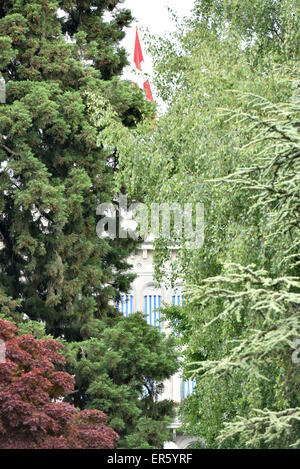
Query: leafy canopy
x=230 y=140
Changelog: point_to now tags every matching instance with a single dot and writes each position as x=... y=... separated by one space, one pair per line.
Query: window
x=188 y=387
x=152 y=299
x=125 y=305
x=177 y=296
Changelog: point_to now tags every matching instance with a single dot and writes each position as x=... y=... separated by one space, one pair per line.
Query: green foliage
x=55 y=169
x=121 y=371
x=259 y=309
x=264 y=26
x=54 y=172
x=230 y=139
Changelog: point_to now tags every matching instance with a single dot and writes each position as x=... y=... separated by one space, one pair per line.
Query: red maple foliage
x=30 y=415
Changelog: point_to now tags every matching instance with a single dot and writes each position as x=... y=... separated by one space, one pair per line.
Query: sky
x=154 y=15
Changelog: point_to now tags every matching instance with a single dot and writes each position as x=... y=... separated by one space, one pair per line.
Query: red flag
x=147 y=88
x=138 y=54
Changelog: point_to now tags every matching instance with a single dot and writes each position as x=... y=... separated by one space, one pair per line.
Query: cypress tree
x=53 y=172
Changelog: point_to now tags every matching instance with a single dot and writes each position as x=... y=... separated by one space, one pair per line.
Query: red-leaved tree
x=30 y=386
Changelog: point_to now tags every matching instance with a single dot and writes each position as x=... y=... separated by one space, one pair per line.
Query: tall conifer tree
x=53 y=173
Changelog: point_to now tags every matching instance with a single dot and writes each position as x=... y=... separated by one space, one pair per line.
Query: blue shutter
x=152 y=310
x=188 y=387
x=177 y=300
x=126 y=305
